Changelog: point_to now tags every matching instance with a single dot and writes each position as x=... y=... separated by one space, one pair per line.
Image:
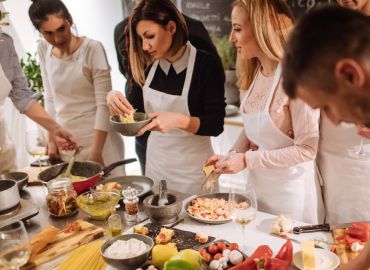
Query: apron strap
x=273 y=87
x=189 y=69
x=248 y=93
x=151 y=74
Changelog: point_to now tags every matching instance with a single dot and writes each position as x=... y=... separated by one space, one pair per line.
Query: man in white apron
x=176 y=156
x=339 y=85
x=14 y=84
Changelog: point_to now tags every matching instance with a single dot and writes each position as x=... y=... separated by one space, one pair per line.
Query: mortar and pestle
x=162 y=208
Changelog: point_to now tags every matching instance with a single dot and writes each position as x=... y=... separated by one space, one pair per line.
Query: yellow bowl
x=98 y=205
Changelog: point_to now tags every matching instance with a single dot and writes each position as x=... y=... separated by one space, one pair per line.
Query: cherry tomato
x=202 y=251
x=213 y=249
x=217 y=256
x=207 y=257
x=221 y=246
x=234 y=246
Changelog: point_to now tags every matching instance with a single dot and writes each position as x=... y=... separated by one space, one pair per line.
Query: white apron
x=73 y=115
x=7 y=153
x=291 y=190
x=346 y=180
x=176 y=156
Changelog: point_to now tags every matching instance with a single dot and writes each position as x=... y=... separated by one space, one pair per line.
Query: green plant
x=2 y=16
x=226 y=51
x=32 y=70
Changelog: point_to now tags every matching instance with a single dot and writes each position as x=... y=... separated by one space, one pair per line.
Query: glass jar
x=131 y=202
x=61 y=199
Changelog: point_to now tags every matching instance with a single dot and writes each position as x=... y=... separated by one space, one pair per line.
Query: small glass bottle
x=115 y=225
x=61 y=199
x=131 y=202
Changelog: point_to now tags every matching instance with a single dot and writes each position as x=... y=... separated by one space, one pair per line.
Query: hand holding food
x=233 y=164
x=165 y=121
x=118 y=104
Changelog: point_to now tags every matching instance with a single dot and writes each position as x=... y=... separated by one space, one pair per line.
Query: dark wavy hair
x=41 y=9
x=320 y=39
x=160 y=12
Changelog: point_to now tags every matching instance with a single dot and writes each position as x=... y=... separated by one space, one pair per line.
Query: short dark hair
x=40 y=9
x=161 y=12
x=319 y=40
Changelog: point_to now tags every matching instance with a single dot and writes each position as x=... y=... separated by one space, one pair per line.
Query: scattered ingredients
x=356 y=247
x=111 y=186
x=208 y=169
x=127 y=118
x=282 y=225
x=162 y=253
x=308 y=254
x=141 y=230
x=164 y=236
x=201 y=237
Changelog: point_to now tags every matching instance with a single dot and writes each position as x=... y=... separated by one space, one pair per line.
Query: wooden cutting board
x=64 y=243
x=345 y=255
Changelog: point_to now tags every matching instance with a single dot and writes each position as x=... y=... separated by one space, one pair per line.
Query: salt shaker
x=131 y=202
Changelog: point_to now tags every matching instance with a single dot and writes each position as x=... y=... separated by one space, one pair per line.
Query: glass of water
x=15 y=247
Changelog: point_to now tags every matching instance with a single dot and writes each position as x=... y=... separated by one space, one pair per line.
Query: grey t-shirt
x=21 y=96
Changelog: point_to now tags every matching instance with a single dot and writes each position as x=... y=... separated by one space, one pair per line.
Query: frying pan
x=93 y=171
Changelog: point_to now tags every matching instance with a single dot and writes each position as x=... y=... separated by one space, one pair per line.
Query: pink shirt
x=293 y=117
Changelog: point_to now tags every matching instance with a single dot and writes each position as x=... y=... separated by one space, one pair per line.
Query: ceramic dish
x=142 y=184
x=325 y=260
x=224 y=196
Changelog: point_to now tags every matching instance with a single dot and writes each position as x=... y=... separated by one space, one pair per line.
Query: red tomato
x=357 y=233
x=213 y=249
x=202 y=251
x=217 y=256
x=207 y=257
x=221 y=246
x=234 y=246
x=361 y=225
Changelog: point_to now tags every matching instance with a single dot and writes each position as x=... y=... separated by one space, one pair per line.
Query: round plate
x=141 y=183
x=325 y=260
x=211 y=196
x=231 y=110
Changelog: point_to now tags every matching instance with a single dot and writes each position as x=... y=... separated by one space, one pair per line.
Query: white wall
x=93 y=18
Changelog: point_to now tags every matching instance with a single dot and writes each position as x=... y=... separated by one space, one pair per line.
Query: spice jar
x=61 y=199
x=131 y=202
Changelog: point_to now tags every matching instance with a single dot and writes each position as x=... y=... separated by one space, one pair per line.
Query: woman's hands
x=165 y=121
x=118 y=104
x=233 y=164
x=363 y=131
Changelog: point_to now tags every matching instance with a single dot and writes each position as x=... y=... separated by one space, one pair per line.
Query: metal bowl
x=20 y=177
x=130 y=263
x=162 y=214
x=130 y=129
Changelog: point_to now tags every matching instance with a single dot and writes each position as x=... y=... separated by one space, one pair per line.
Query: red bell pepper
x=248 y=264
x=276 y=264
x=262 y=252
x=361 y=234
x=361 y=225
x=286 y=252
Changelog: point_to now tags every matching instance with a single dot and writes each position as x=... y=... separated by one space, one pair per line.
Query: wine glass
x=358 y=152
x=36 y=144
x=15 y=247
x=242 y=207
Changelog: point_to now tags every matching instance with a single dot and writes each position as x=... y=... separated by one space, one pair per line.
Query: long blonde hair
x=271 y=21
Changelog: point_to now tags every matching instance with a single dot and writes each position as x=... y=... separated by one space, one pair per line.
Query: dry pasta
x=86 y=257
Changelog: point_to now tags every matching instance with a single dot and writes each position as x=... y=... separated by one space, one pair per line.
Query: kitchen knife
x=322 y=227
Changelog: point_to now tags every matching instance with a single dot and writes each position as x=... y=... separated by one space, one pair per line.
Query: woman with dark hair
x=76 y=77
x=182 y=90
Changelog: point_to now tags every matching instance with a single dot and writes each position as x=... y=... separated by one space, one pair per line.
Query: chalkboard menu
x=216 y=14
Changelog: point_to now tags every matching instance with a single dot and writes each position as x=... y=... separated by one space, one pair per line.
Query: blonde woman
x=280 y=138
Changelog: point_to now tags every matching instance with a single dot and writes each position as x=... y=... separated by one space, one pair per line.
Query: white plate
x=325 y=260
